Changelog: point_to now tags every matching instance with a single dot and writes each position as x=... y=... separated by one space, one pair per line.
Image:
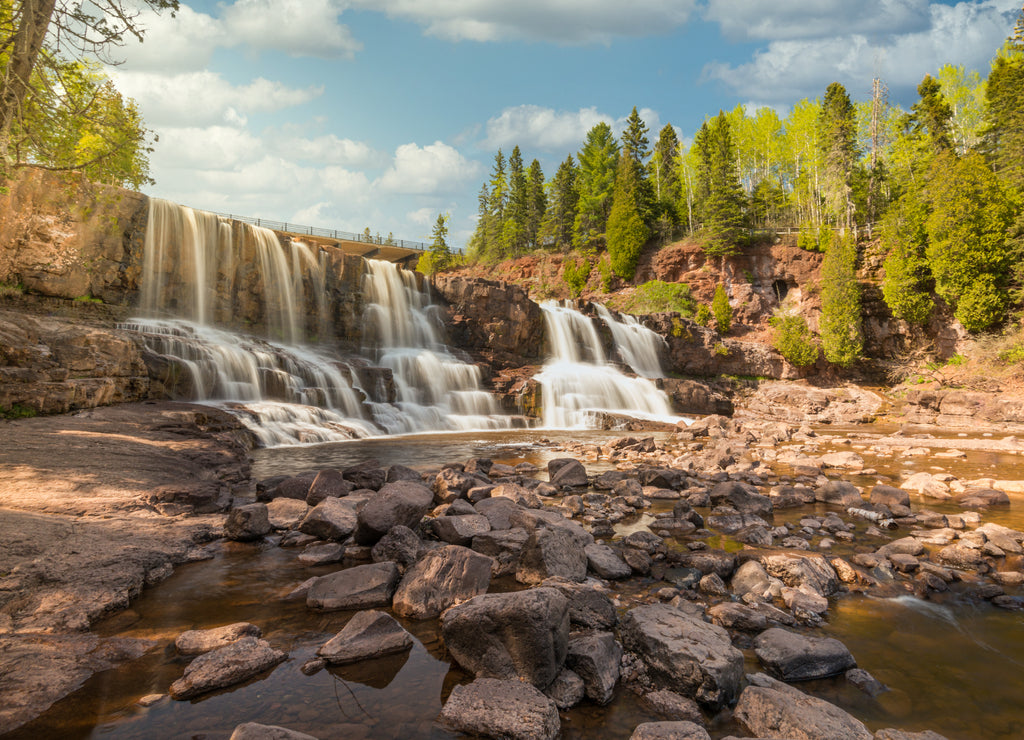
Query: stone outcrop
x=226 y=666
x=510 y=710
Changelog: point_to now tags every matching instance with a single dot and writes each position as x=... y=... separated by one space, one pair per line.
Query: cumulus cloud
x=532 y=126
x=967 y=33
x=298 y=27
x=795 y=19
x=435 y=168
x=181 y=43
x=559 y=21
x=330 y=150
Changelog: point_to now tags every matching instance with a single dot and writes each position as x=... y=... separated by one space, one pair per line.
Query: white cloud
x=329 y=150
x=795 y=19
x=531 y=126
x=307 y=28
x=422 y=216
x=181 y=43
x=968 y=33
x=205 y=98
x=435 y=168
x=210 y=148
x=560 y=21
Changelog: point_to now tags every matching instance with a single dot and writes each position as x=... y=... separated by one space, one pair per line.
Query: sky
x=348 y=114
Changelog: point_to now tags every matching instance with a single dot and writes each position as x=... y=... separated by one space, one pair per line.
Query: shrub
x=656 y=296
x=604 y=269
x=721 y=310
x=840 y=302
x=575 y=275
x=703 y=314
x=794 y=340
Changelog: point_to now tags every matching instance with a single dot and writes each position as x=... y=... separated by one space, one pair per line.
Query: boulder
x=247 y=523
x=590 y=608
x=296 y=487
x=719 y=562
x=329 y=483
x=501 y=709
x=752 y=578
x=839 y=493
x=504 y=547
x=256 y=731
x=197 y=642
x=401 y=502
x=770 y=708
x=669 y=731
x=684 y=653
x=368 y=474
x=400 y=545
x=551 y=552
x=567 y=472
x=606 y=562
x=369 y=634
x=322 y=553
x=396 y=473
x=226 y=666
x=595 y=658
x=792 y=657
x=286 y=513
x=796 y=570
x=522 y=634
x=499 y=511
x=450 y=484
x=672 y=706
x=460 y=530
x=519 y=495
x=443 y=577
x=361 y=587
x=735 y=616
x=566 y=690
x=743 y=497
x=889 y=496
x=982 y=498
x=331 y=519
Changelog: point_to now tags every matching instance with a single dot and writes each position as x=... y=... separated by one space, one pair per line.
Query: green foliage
x=7 y=289
x=664 y=176
x=575 y=274
x=807 y=239
x=88 y=299
x=1003 y=136
x=561 y=211
x=657 y=296
x=17 y=411
x=703 y=316
x=837 y=128
x=721 y=350
x=840 y=302
x=438 y=256
x=627 y=233
x=906 y=284
x=596 y=182
x=793 y=339
x=931 y=113
x=722 y=205
x=721 y=310
x=604 y=270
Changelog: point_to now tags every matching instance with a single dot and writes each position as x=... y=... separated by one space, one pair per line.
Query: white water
x=578 y=384
x=195 y=267
x=636 y=344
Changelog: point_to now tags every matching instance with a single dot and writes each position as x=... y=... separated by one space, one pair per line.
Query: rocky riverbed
x=689 y=576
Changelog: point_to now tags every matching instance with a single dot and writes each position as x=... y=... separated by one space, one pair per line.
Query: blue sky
x=383 y=113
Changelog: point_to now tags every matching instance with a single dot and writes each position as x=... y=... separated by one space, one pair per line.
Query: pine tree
x=536 y=204
x=561 y=211
x=627 y=232
x=596 y=182
x=721 y=310
x=634 y=138
x=513 y=231
x=837 y=125
x=439 y=255
x=840 y=326
x=1004 y=98
x=663 y=174
x=496 y=206
x=932 y=114
x=479 y=247
x=723 y=208
x=907 y=277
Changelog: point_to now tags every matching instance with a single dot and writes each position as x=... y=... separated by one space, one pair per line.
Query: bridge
x=400 y=251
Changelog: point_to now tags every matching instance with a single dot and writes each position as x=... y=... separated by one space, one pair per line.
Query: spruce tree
x=627 y=232
x=634 y=138
x=513 y=232
x=663 y=174
x=837 y=130
x=596 y=182
x=723 y=207
x=840 y=326
x=1003 y=137
x=561 y=212
x=932 y=114
x=721 y=310
x=495 y=224
x=536 y=204
x=905 y=287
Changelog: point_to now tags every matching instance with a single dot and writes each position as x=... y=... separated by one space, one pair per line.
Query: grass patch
x=88 y=299
x=656 y=296
x=17 y=411
x=6 y=289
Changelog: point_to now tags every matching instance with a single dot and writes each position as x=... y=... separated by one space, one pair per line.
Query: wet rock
x=927 y=485
x=904 y=563
x=322 y=553
x=752 y=578
x=567 y=690
x=461 y=507
x=743 y=497
x=672 y=706
x=730 y=522
x=712 y=585
x=639 y=561
x=520 y=495
x=770 y=708
x=734 y=616
x=663 y=478
x=402 y=502
x=792 y=657
x=368 y=474
x=197 y=642
x=960 y=556
x=226 y=666
x=499 y=511
x=523 y=634
x=551 y=552
x=397 y=473
x=443 y=577
x=669 y=731
x=361 y=587
x=450 y=484
x=368 y=635
x=504 y=547
x=590 y=608
x=804 y=603
x=889 y=496
x=891 y=734
x=296 y=487
x=247 y=523
x=982 y=498
x=331 y=519
x=839 y=493
x=567 y=472
x=812 y=571
x=684 y=653
x=460 y=530
x=595 y=658
x=865 y=682
x=256 y=731
x=722 y=563
x=286 y=513
x=400 y=545
x=506 y=710
x=329 y=483
x=606 y=562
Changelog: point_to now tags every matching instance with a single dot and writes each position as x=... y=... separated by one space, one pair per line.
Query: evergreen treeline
x=942 y=183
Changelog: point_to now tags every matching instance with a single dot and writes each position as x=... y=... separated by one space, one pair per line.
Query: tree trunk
x=28 y=41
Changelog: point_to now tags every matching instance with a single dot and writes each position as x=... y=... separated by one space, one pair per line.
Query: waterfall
x=435 y=389
x=203 y=275
x=637 y=345
x=578 y=384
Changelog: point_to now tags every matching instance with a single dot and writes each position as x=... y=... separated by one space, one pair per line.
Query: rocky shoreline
x=655 y=576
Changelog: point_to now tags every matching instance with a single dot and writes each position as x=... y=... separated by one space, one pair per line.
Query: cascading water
x=435 y=389
x=578 y=385
x=200 y=270
x=637 y=345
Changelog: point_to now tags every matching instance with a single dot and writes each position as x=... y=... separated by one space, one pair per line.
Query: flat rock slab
x=256 y=731
x=226 y=666
x=669 y=731
x=443 y=577
x=684 y=653
x=505 y=710
x=369 y=634
x=770 y=708
x=793 y=657
x=331 y=519
x=362 y=587
x=197 y=642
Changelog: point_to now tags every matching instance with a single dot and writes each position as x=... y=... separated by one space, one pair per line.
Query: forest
x=941 y=185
